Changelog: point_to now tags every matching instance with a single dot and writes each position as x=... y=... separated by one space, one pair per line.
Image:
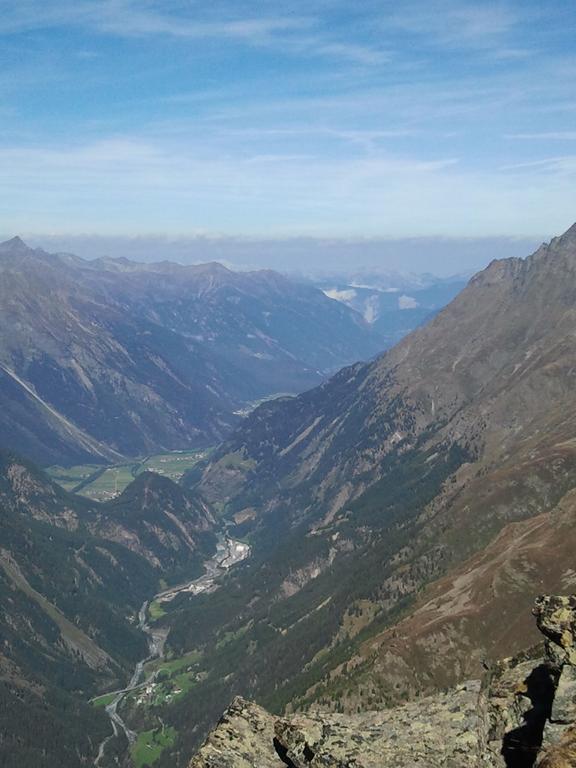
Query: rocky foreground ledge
x=523 y=714
x=445 y=727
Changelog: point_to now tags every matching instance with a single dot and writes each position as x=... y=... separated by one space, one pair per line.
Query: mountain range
x=108 y=358
x=393 y=304
x=402 y=517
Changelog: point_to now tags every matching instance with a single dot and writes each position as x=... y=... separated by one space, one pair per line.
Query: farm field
x=104 y=483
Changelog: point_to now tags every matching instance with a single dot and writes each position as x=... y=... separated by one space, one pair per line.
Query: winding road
x=228 y=553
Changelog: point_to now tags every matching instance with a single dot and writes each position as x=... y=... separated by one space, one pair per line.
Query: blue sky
x=264 y=119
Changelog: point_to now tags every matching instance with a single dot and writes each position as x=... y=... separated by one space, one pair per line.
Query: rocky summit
x=521 y=714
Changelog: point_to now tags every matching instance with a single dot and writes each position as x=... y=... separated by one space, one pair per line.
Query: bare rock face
x=518 y=697
x=243 y=738
x=443 y=731
x=556 y=619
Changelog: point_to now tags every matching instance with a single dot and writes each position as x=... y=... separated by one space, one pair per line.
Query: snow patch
x=340 y=295
x=371 y=309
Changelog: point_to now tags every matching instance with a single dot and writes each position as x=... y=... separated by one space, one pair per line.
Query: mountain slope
x=113 y=357
x=389 y=477
x=457 y=623
x=483 y=374
x=73 y=575
x=159 y=520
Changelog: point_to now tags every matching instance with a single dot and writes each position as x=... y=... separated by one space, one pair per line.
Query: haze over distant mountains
x=303 y=256
x=394 y=304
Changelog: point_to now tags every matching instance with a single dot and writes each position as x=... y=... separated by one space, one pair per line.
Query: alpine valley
x=395 y=523
x=109 y=358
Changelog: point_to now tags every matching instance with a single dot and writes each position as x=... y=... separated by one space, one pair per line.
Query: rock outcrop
x=523 y=714
x=243 y=738
x=556 y=618
x=443 y=731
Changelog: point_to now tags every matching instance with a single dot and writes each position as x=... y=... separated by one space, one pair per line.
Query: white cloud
x=371 y=309
x=407 y=302
x=128 y=18
x=289 y=32
x=456 y=23
x=561 y=166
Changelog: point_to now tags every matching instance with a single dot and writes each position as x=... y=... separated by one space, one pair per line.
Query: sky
x=325 y=121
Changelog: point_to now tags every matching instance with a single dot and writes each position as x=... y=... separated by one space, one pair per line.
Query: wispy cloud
x=291 y=33
x=544 y=136
x=456 y=23
x=129 y=18
x=562 y=166
x=130 y=181
x=368 y=55
x=126 y=18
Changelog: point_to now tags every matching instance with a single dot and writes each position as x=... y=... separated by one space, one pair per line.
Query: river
x=228 y=553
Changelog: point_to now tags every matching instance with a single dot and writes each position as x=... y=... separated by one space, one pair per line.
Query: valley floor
x=147 y=670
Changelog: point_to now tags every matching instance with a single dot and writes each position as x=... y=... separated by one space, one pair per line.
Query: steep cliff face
x=523 y=713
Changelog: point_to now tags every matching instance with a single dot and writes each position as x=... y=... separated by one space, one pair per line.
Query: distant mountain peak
x=568 y=239
x=14 y=244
